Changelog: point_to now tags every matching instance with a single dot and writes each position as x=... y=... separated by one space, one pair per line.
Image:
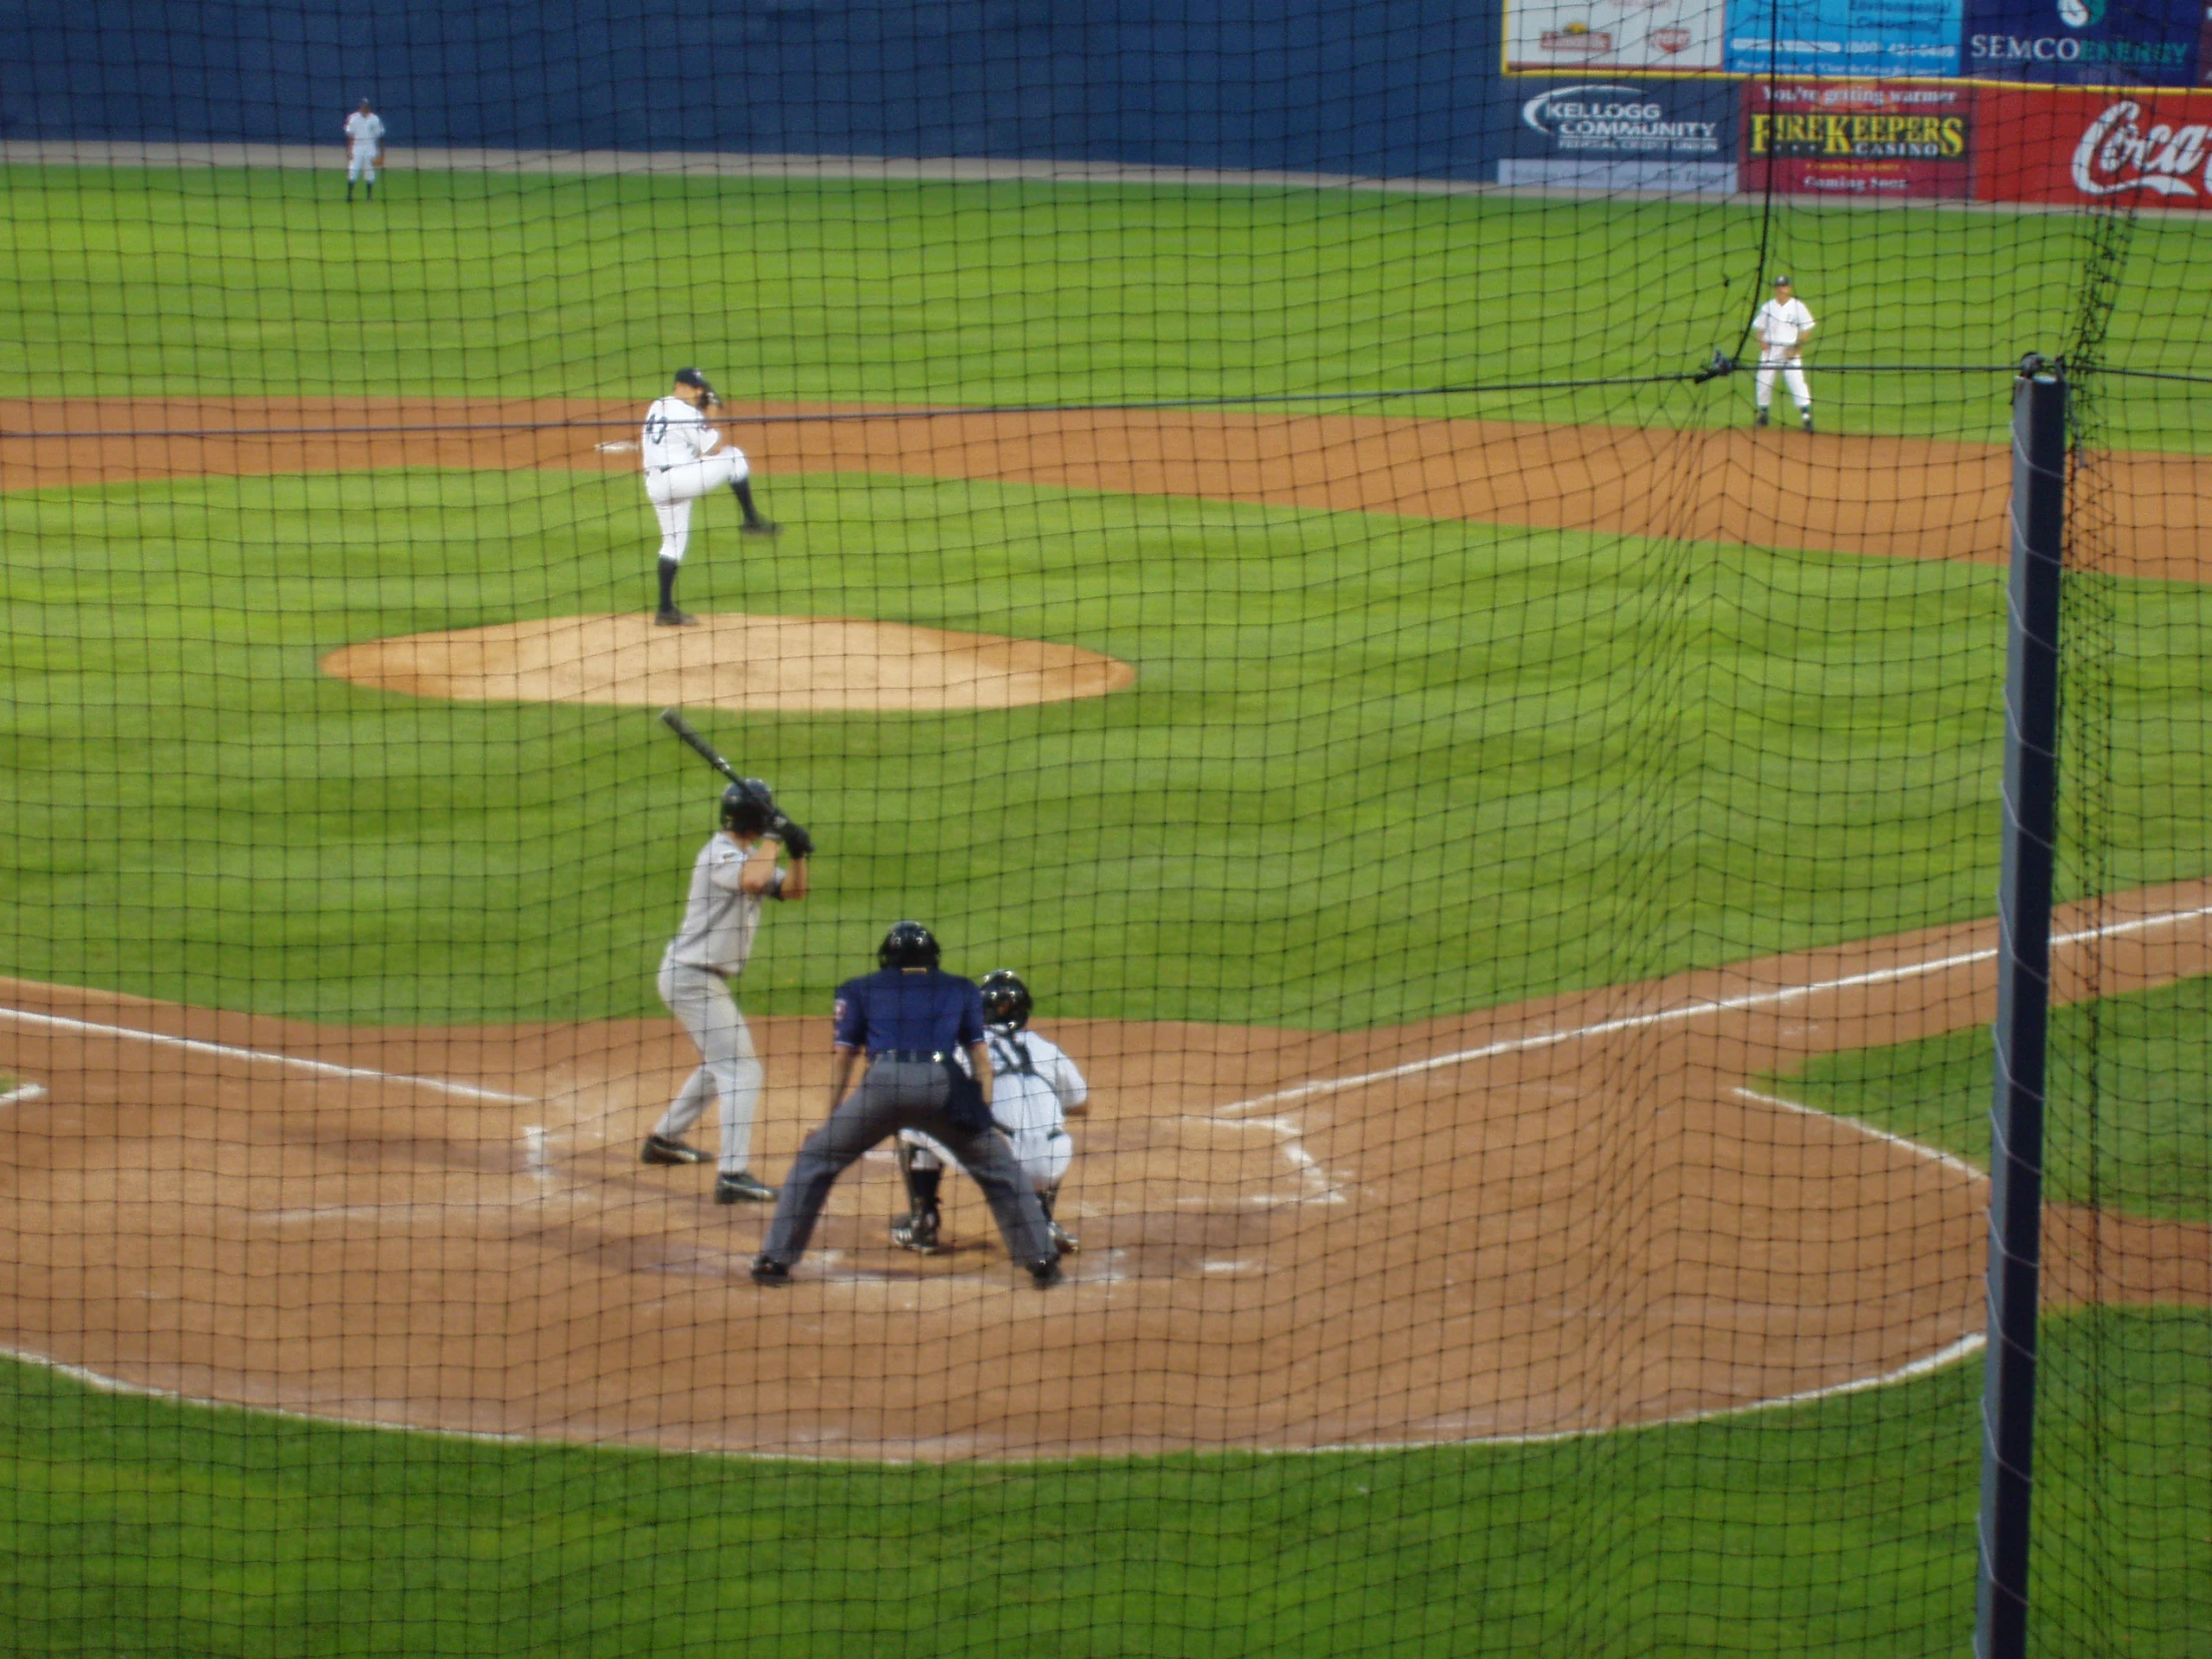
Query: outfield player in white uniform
x=1781 y=324
x=682 y=461
x=732 y=873
x=1035 y=1089
x=364 y=148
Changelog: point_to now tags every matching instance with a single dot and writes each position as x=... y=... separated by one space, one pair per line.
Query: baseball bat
x=674 y=719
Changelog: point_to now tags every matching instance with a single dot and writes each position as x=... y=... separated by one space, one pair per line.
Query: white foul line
x=321 y=1068
x=1694 y=1010
x=1934 y=1154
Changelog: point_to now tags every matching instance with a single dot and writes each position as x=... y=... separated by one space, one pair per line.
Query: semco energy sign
x=2123 y=43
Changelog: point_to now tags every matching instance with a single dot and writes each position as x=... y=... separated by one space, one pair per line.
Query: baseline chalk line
x=263 y=1056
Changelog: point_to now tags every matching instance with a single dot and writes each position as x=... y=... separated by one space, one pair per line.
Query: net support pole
x=2038 y=520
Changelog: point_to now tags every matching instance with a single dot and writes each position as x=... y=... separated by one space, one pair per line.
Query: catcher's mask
x=747 y=808
x=908 y=944
x=1005 y=999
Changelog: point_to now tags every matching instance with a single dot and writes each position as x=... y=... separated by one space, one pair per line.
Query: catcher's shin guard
x=917 y=1230
x=1067 y=1242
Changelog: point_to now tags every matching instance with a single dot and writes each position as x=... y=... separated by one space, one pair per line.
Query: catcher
x=1035 y=1089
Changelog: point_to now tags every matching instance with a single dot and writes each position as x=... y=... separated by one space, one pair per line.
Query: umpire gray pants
x=895 y=1095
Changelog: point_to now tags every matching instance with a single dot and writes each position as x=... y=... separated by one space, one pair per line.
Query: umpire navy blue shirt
x=928 y=1014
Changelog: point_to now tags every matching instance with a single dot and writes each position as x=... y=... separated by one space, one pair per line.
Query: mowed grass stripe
x=1553 y=760
x=230 y=282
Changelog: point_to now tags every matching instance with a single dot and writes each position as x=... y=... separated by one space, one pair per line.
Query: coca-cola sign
x=2120 y=152
x=2068 y=145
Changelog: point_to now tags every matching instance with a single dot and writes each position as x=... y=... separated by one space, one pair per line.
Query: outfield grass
x=1557 y=760
x=2130 y=1119
x=244 y=282
x=1841 y=1528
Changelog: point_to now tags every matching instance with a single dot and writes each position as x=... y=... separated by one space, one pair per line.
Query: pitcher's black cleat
x=665 y=1149
x=741 y=1188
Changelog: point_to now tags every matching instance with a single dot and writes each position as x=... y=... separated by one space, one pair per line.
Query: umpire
x=909 y=1020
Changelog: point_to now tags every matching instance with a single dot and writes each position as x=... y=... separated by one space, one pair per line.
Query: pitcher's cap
x=1778 y=281
x=692 y=377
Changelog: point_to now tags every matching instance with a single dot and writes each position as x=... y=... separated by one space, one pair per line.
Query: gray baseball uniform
x=705 y=958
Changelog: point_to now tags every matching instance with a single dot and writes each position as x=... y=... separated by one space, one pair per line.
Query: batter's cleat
x=767 y=1270
x=741 y=1188
x=1044 y=1272
x=1806 y=417
x=762 y=527
x=1759 y=419
x=667 y=1149
x=1067 y=1242
x=671 y=617
x=916 y=1233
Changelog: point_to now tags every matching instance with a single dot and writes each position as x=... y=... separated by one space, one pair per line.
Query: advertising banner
x=1624 y=135
x=1574 y=36
x=1858 y=138
x=1865 y=38
x=2121 y=43
x=2149 y=150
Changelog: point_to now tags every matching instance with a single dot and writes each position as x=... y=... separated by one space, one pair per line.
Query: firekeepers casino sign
x=2154 y=149
x=1824 y=138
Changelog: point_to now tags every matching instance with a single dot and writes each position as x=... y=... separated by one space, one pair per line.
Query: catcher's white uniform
x=1782 y=325
x=1034 y=1086
x=682 y=461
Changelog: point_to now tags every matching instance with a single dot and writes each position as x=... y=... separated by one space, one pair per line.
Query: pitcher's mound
x=787 y=664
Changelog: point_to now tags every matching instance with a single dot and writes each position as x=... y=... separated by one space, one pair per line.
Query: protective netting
x=1280 y=548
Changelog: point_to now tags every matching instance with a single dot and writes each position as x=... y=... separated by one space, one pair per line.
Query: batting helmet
x=908 y=944
x=1005 y=999
x=747 y=808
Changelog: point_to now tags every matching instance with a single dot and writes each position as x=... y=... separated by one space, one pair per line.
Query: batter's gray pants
x=895 y=1095
x=732 y=1072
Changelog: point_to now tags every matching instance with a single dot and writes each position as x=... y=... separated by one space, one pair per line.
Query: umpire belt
x=911 y=1056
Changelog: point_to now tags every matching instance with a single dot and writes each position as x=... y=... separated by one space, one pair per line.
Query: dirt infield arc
x=1898 y=497
x=1566 y=1216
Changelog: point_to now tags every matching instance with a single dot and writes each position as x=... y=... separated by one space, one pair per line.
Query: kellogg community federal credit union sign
x=1610 y=120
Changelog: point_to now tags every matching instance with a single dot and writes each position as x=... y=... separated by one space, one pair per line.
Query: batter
x=734 y=873
x=1035 y=1089
x=682 y=461
x=1782 y=325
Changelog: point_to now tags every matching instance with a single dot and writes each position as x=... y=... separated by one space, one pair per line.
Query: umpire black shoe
x=667 y=1149
x=741 y=1188
x=1044 y=1272
x=673 y=618
x=767 y=1270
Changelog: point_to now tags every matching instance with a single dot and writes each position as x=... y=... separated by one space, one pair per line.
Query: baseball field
x=1516 y=864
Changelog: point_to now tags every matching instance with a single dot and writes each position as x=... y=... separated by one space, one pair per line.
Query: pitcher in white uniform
x=364 y=148
x=1035 y=1089
x=1782 y=325
x=684 y=461
x=735 y=871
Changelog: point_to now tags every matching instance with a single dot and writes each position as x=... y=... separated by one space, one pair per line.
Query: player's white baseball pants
x=1793 y=376
x=673 y=490
x=362 y=168
x=1044 y=1154
x=731 y=1070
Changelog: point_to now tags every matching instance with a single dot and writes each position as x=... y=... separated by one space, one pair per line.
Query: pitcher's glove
x=796 y=840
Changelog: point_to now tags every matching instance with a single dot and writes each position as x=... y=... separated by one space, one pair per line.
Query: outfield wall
x=1411 y=89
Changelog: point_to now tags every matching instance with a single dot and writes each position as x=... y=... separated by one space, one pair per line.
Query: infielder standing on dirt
x=364 y=148
x=908 y=1021
x=1035 y=1089
x=683 y=463
x=734 y=873
x=1781 y=324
